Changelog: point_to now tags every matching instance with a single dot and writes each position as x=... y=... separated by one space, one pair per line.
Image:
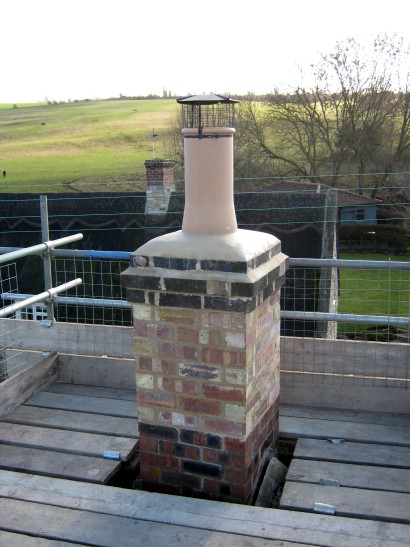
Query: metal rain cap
x=206 y=99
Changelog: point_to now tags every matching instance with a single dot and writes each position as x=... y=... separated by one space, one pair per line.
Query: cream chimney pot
x=208 y=151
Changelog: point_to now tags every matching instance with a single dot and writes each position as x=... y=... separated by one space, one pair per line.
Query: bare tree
x=367 y=104
x=173 y=144
x=355 y=118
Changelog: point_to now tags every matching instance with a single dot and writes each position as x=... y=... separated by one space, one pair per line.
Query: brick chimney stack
x=206 y=321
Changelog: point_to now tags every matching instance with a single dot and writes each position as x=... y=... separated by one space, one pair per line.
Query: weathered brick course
x=207 y=374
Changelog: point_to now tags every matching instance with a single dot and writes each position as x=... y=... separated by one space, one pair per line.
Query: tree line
x=353 y=118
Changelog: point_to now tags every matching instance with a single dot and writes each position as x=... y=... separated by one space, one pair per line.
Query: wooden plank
x=346 y=357
x=20 y=359
x=349 y=431
x=349 y=502
x=97 y=371
x=81 y=403
x=23 y=385
x=12 y=539
x=80 y=338
x=359 y=453
x=202 y=514
x=62 y=465
x=72 y=442
x=350 y=475
x=74 y=421
x=344 y=415
x=329 y=356
x=108 y=530
x=119 y=394
x=318 y=391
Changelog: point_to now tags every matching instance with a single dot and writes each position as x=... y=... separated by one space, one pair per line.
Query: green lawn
x=373 y=292
x=60 y=147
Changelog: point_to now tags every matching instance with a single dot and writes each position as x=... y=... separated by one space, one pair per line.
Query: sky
x=77 y=49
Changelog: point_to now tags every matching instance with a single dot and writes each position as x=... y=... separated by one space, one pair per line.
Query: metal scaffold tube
x=40 y=248
x=39 y=297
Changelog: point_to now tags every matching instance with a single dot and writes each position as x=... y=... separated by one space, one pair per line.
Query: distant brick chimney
x=160 y=185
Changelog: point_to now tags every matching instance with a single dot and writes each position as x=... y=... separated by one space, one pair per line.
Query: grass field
x=58 y=148
x=373 y=292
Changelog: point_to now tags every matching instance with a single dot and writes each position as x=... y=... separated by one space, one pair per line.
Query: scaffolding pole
x=39 y=297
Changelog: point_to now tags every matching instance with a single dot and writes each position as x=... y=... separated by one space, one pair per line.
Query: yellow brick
x=142 y=312
x=235 y=412
x=184 y=317
x=145 y=347
x=145 y=381
x=146 y=414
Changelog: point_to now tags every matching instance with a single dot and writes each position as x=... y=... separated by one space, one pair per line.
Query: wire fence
x=338 y=310
x=100 y=299
x=12 y=360
x=341 y=320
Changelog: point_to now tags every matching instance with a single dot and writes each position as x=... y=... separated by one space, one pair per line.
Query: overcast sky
x=75 y=49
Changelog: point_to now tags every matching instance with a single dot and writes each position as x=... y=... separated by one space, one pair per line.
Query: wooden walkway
x=63 y=433
x=75 y=432
x=348 y=463
x=88 y=514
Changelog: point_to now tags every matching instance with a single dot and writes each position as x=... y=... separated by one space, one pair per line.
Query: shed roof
x=345 y=198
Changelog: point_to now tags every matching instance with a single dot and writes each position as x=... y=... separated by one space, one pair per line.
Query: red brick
x=268 y=417
x=236 y=445
x=187 y=335
x=165 y=417
x=187 y=386
x=156 y=399
x=237 y=321
x=211 y=485
x=147 y=444
x=190 y=352
x=140 y=329
x=224 y=426
x=223 y=393
x=177 y=385
x=149 y=473
x=199 y=439
x=242 y=491
x=168 y=384
x=252 y=402
x=265 y=322
x=168 y=368
x=176 y=351
x=183 y=480
x=213 y=319
x=145 y=363
x=239 y=459
x=184 y=420
x=211 y=355
x=200 y=405
x=211 y=455
x=237 y=358
x=159 y=460
x=263 y=308
x=162 y=488
x=192 y=453
x=250 y=337
x=162 y=332
x=164 y=447
x=218 y=356
x=239 y=475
